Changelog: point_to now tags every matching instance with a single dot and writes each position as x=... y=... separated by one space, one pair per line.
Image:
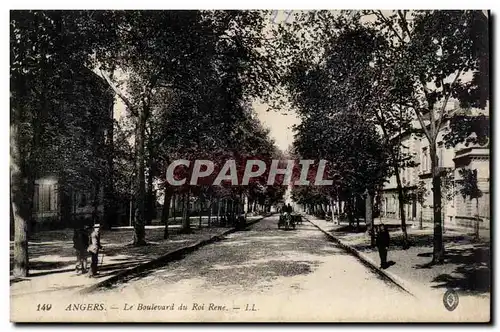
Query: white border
x=145 y=4
x=256 y=4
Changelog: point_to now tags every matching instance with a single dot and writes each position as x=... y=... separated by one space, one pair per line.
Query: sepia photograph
x=258 y=166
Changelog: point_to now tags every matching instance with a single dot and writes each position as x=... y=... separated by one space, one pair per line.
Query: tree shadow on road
x=52 y=252
x=466 y=266
x=471 y=273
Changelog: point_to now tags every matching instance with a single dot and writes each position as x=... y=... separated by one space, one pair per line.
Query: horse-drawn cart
x=288 y=221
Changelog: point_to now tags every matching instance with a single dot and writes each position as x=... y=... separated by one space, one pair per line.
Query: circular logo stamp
x=450 y=300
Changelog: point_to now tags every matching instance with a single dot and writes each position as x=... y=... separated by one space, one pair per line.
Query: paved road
x=296 y=275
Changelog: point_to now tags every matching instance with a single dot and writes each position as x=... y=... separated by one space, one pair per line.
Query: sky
x=279 y=123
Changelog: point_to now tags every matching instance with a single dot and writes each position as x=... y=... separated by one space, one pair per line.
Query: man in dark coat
x=80 y=243
x=382 y=241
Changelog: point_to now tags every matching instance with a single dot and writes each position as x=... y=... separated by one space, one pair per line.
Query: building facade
x=457 y=211
x=57 y=203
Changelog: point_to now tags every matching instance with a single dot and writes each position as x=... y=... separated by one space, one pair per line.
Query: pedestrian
x=93 y=249
x=80 y=243
x=382 y=241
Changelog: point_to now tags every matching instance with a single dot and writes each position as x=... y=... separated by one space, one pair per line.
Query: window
x=440 y=154
x=45 y=198
x=425 y=160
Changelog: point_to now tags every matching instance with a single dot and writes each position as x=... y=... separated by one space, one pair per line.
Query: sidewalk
x=52 y=257
x=414 y=224
x=466 y=268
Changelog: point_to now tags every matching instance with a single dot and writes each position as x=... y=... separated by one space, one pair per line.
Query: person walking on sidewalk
x=80 y=243
x=382 y=241
x=94 y=247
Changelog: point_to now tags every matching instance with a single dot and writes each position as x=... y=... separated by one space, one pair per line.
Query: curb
x=162 y=260
x=367 y=261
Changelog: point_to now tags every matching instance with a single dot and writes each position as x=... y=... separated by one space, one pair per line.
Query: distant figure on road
x=289 y=208
x=94 y=247
x=382 y=240
x=80 y=243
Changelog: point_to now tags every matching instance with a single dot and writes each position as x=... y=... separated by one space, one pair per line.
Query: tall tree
x=433 y=53
x=58 y=108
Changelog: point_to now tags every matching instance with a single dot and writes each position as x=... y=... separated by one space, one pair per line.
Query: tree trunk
x=165 y=213
x=200 y=203
x=110 y=213
x=218 y=210
x=249 y=205
x=241 y=206
x=186 y=220
x=357 y=221
x=183 y=206
x=21 y=262
x=369 y=218
x=443 y=216
x=232 y=209
x=350 y=213
x=176 y=202
x=210 y=211
x=438 y=251
x=401 y=206
x=139 y=226
x=66 y=202
x=421 y=217
x=476 y=233
x=334 y=221
x=150 y=204
x=21 y=191
x=95 y=203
